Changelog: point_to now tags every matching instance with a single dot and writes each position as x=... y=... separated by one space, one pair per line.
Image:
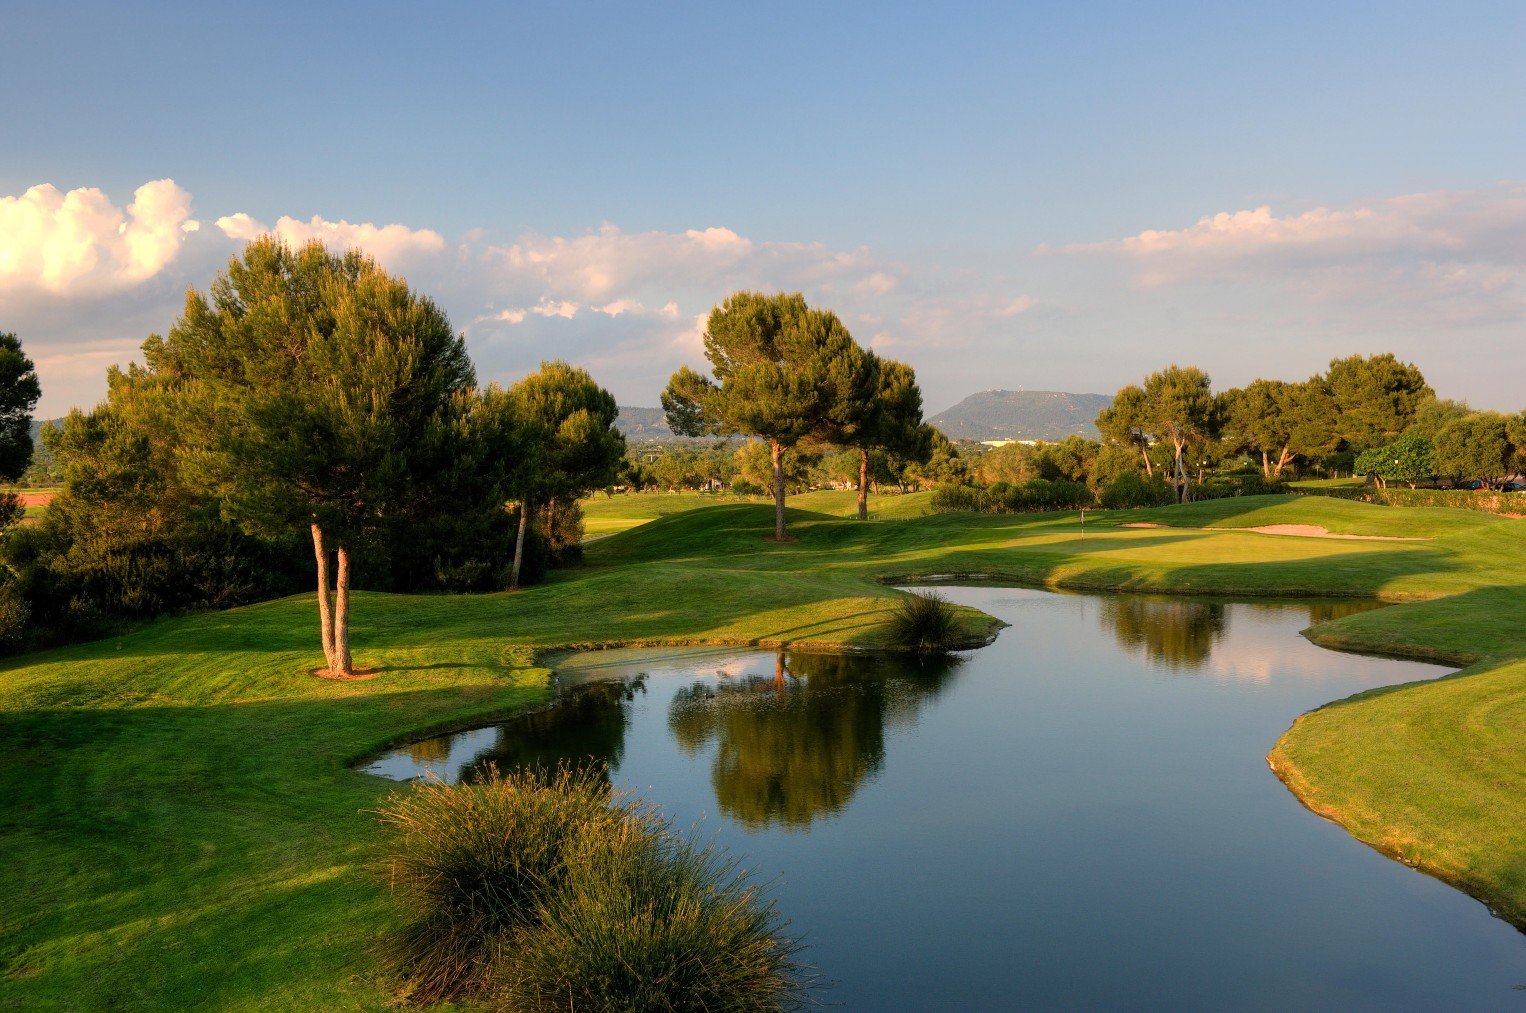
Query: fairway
x=184 y=789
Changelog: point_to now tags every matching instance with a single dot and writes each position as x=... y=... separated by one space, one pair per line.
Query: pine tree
x=319 y=392
x=782 y=372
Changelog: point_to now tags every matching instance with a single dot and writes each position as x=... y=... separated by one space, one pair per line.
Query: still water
x=1079 y=814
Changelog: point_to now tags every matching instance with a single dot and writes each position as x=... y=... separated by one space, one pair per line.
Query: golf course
x=185 y=826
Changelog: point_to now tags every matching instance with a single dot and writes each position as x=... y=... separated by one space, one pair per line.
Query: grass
x=607 y=515
x=182 y=827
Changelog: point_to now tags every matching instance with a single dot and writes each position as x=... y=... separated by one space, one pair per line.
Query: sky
x=1056 y=196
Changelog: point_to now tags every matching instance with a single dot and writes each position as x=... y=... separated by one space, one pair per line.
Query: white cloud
x=1022 y=304
x=389 y=244
x=80 y=244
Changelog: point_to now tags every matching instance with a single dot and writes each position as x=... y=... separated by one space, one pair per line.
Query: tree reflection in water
x=795 y=747
x=1178 y=633
x=586 y=726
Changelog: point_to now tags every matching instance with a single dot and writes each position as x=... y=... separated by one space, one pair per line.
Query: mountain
x=1022 y=415
x=643 y=425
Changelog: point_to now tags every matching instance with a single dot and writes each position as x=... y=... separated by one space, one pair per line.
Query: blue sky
x=961 y=181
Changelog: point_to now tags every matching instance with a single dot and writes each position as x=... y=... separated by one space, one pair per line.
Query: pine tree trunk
x=1282 y=462
x=550 y=522
x=519 y=544
x=325 y=606
x=1149 y=468
x=863 y=483
x=1266 y=466
x=1180 y=476
x=778 y=453
x=341 y=664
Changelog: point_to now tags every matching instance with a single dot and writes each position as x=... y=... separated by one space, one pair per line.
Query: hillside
x=639 y=425
x=1022 y=415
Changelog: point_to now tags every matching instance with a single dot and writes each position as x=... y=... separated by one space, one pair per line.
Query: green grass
x=1329 y=483
x=181 y=826
x=606 y=515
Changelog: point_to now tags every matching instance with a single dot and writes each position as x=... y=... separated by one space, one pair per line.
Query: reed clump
x=923 y=622
x=533 y=892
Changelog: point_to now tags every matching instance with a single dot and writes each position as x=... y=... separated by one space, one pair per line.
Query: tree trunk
x=1149 y=468
x=550 y=520
x=863 y=483
x=778 y=454
x=1180 y=475
x=1282 y=462
x=519 y=544
x=325 y=606
x=1266 y=466
x=341 y=665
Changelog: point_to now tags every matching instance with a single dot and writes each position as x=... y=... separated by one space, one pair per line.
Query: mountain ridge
x=1022 y=415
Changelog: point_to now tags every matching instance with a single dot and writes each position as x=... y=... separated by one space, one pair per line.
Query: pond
x=1080 y=814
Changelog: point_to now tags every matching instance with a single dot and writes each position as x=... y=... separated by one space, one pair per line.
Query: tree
x=942 y=465
x=19 y=391
x=889 y=418
x=1515 y=431
x=1409 y=459
x=1374 y=397
x=1475 y=446
x=568 y=423
x=1178 y=410
x=319 y=392
x=782 y=372
x=754 y=467
x=1277 y=421
x=1124 y=423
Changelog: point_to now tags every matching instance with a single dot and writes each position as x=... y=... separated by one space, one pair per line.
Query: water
x=1078 y=815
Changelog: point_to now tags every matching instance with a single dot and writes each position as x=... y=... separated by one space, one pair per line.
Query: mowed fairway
x=182 y=828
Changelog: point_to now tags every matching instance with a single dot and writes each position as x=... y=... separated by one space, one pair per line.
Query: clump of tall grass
x=923 y=622
x=648 y=920
x=548 y=891
x=472 y=863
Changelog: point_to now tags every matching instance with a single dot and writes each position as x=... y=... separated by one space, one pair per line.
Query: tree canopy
x=319 y=392
x=782 y=372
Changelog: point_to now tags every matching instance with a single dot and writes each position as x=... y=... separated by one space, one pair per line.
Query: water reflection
x=795 y=747
x=1182 y=634
x=1179 y=634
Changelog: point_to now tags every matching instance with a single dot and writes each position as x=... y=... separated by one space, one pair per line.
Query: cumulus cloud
x=81 y=244
x=389 y=244
x=609 y=265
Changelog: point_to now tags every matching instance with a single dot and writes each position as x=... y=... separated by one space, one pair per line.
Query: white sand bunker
x=1296 y=530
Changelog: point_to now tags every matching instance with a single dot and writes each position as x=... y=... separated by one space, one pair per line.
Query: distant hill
x=1022 y=415
x=643 y=425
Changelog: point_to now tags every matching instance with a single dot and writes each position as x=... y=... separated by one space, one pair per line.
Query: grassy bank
x=183 y=828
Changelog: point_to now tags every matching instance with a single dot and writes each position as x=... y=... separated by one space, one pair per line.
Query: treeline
x=1173 y=439
x=745 y=468
x=307 y=411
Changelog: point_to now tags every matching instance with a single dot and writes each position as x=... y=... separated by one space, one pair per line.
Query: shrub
x=548 y=892
x=923 y=622
x=473 y=862
x=649 y=921
x=1131 y=489
x=957 y=499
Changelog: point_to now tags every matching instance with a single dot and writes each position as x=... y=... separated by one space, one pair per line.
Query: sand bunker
x=1296 y=530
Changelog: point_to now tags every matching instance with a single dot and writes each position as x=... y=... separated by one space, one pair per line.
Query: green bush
x=648 y=921
x=1033 y=496
x=923 y=622
x=1131 y=489
x=543 y=891
x=1460 y=499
